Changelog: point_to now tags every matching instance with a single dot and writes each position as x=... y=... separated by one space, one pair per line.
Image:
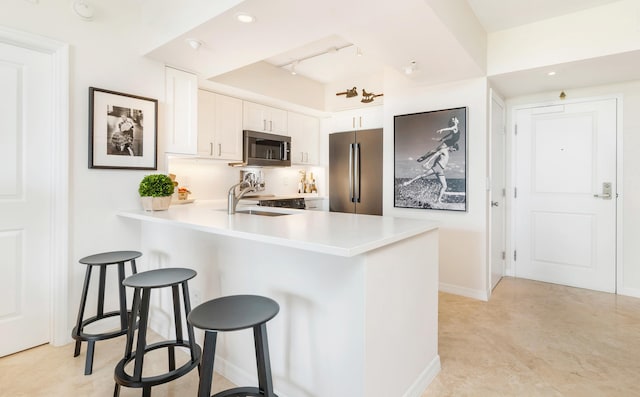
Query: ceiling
x=497 y=15
x=324 y=39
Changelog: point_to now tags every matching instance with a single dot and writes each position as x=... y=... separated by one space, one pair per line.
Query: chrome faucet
x=232 y=201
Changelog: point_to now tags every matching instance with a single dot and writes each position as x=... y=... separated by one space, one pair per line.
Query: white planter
x=155 y=203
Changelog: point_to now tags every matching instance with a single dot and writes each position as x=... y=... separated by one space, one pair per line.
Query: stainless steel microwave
x=267 y=150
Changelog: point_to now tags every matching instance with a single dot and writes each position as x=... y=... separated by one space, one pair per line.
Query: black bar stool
x=143 y=283
x=103 y=260
x=232 y=313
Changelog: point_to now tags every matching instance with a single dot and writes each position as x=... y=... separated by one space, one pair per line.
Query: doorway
x=34 y=193
x=565 y=193
x=498 y=191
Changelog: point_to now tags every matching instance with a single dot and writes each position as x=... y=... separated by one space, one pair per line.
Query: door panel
x=564 y=233
x=370 y=143
x=25 y=197
x=339 y=149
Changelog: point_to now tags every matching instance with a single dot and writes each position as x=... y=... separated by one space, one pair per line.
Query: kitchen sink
x=262 y=213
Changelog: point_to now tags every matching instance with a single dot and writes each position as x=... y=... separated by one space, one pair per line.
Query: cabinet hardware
x=219 y=150
x=210 y=148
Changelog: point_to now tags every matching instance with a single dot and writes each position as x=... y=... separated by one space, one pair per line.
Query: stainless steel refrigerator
x=355 y=172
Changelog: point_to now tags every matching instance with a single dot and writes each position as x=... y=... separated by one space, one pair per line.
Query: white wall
x=610 y=29
x=462 y=235
x=629 y=261
x=101 y=55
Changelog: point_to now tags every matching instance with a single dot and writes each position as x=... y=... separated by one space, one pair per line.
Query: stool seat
x=102 y=261
x=232 y=313
x=108 y=258
x=143 y=283
x=159 y=278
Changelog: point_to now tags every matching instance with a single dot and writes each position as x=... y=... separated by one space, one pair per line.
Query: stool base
x=242 y=392
x=81 y=336
x=126 y=380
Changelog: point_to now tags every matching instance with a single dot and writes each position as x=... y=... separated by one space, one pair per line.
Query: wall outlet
x=196 y=298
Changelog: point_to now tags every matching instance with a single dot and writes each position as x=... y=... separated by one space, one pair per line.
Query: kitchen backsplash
x=211 y=179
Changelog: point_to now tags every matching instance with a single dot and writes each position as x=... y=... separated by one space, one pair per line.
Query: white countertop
x=325 y=232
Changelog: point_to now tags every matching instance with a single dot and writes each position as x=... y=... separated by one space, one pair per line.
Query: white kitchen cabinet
x=257 y=117
x=219 y=126
x=305 y=138
x=181 y=116
x=358 y=119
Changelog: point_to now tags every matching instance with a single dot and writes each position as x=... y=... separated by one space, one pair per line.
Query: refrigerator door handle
x=356 y=172
x=351 y=172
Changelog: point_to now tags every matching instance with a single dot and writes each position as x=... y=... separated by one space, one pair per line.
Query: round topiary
x=156 y=185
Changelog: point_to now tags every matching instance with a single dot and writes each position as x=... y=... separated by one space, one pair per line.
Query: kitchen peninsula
x=358 y=293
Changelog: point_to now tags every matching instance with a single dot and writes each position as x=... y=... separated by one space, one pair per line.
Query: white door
x=498 y=191
x=25 y=191
x=565 y=222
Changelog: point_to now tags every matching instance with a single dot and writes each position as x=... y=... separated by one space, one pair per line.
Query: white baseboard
x=632 y=292
x=463 y=291
x=424 y=380
x=237 y=375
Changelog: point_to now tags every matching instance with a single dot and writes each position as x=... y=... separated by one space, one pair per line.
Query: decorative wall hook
x=368 y=97
x=350 y=93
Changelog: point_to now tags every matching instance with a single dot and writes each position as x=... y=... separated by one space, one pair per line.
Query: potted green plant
x=155 y=192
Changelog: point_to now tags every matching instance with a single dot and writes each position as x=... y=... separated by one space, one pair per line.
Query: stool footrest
x=85 y=336
x=241 y=392
x=124 y=379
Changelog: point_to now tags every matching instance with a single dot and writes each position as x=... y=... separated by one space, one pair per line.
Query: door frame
x=511 y=174
x=59 y=231
x=495 y=96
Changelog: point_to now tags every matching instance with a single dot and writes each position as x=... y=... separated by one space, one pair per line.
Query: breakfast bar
x=358 y=293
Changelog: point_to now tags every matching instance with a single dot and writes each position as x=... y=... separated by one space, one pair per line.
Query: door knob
x=494 y=203
x=606 y=191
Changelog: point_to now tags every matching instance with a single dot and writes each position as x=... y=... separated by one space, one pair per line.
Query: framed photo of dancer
x=430 y=160
x=123 y=130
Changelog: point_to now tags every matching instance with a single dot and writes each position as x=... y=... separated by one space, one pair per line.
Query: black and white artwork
x=122 y=130
x=430 y=163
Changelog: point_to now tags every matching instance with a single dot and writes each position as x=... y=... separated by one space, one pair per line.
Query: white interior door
x=498 y=191
x=25 y=197
x=565 y=222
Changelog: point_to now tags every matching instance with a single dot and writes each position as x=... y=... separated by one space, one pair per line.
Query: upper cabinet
x=358 y=119
x=263 y=118
x=305 y=135
x=219 y=126
x=181 y=97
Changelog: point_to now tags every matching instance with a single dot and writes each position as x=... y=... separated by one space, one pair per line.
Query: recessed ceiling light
x=245 y=18
x=82 y=9
x=552 y=73
x=194 y=43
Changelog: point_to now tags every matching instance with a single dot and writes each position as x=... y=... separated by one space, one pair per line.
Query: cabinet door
x=206 y=122
x=263 y=118
x=227 y=141
x=277 y=121
x=181 y=97
x=253 y=117
x=305 y=132
x=371 y=118
x=359 y=119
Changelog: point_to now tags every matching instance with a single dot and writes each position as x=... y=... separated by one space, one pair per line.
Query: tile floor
x=530 y=339
x=538 y=339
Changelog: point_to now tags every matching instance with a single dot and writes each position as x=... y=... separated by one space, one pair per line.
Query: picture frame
x=430 y=160
x=123 y=130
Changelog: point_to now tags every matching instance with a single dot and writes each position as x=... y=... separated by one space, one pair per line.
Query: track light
x=293 y=67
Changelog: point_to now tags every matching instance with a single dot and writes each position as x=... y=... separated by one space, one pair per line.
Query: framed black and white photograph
x=123 y=130
x=430 y=160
